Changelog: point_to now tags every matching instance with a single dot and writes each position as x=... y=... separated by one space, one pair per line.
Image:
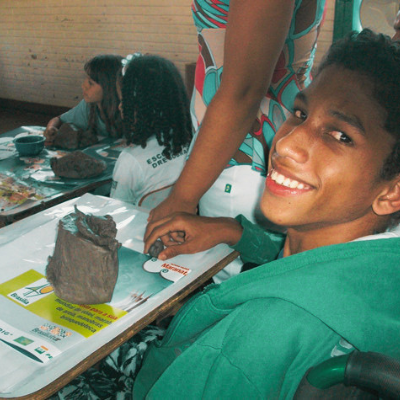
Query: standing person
x=255 y=56
x=156 y=117
x=98 y=111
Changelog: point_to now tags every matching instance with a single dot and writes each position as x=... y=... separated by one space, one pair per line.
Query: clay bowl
x=30 y=145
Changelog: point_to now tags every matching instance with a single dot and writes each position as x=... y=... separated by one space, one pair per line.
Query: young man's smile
x=284 y=183
x=324 y=160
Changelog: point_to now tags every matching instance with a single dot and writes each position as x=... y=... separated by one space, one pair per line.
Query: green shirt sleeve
x=258 y=245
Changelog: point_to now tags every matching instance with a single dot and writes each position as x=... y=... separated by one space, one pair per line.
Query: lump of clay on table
x=77 y=165
x=71 y=138
x=84 y=265
x=156 y=248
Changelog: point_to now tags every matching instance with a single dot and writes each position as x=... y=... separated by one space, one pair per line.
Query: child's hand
x=183 y=233
x=50 y=133
x=52 y=129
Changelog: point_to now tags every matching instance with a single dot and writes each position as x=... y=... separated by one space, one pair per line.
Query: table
x=26 y=244
x=27 y=184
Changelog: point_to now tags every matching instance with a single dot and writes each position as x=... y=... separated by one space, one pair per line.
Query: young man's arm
x=260 y=350
x=256 y=244
x=201 y=233
x=197 y=234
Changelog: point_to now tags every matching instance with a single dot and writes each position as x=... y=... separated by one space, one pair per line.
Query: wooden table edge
x=109 y=347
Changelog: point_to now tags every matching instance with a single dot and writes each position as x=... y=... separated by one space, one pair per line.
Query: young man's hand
x=183 y=233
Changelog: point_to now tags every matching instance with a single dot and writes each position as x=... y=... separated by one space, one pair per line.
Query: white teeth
x=280 y=178
x=284 y=181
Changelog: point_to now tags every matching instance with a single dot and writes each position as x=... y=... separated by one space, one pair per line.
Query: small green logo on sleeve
x=228 y=188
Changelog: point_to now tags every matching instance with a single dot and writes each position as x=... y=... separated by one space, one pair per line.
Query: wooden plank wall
x=45 y=43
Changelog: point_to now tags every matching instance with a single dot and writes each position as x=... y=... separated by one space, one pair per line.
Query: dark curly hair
x=105 y=69
x=155 y=102
x=377 y=57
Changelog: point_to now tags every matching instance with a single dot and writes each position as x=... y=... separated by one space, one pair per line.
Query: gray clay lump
x=156 y=248
x=84 y=265
x=77 y=165
x=71 y=138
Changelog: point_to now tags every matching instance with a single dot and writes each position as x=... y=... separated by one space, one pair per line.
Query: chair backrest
x=154 y=198
x=358 y=375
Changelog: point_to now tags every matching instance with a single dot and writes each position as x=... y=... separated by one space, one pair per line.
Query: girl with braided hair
x=157 y=125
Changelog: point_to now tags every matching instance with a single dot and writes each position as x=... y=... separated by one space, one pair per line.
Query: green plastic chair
x=358 y=375
x=348 y=16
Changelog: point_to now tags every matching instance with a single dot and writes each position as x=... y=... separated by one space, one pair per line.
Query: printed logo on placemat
x=169 y=271
x=31 y=293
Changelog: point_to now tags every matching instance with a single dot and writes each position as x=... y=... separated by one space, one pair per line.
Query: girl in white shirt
x=157 y=125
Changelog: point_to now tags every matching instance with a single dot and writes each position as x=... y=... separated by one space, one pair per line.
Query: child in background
x=98 y=111
x=157 y=125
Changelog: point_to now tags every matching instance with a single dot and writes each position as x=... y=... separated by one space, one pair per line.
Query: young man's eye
x=299 y=114
x=341 y=137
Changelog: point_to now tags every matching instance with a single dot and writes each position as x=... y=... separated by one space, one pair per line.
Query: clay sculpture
x=77 y=165
x=84 y=265
x=71 y=138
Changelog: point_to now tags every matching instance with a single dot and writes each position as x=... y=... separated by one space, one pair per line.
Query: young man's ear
x=388 y=201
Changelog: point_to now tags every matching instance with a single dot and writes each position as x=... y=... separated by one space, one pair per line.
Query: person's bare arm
x=52 y=128
x=198 y=233
x=255 y=36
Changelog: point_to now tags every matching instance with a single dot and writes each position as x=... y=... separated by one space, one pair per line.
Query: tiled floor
x=11 y=119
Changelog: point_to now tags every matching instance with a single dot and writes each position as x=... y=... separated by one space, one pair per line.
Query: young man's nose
x=295 y=145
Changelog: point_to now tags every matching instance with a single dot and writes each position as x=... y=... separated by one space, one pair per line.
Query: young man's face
x=325 y=160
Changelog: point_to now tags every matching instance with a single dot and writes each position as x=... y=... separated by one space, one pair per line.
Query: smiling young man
x=330 y=284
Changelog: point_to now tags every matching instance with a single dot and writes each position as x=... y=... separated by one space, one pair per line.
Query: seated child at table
x=98 y=111
x=326 y=287
x=156 y=118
